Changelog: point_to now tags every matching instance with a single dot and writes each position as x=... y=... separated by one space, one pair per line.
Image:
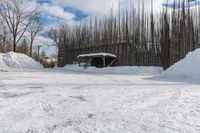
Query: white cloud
x=101 y=7
x=57 y=11
x=91 y=7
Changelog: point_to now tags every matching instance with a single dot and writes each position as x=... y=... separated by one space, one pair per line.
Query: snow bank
x=17 y=60
x=187 y=68
x=116 y=70
x=3 y=65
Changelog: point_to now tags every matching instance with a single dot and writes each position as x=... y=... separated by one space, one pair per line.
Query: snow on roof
x=97 y=55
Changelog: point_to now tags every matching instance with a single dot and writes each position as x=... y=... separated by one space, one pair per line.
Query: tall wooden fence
x=126 y=56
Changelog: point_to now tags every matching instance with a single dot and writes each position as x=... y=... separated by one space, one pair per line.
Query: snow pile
x=116 y=70
x=17 y=60
x=187 y=68
x=3 y=65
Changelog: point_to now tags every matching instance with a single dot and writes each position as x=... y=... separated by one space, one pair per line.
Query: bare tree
x=33 y=30
x=60 y=36
x=54 y=35
x=23 y=47
x=5 y=44
x=17 y=15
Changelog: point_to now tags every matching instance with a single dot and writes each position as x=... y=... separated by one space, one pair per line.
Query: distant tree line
x=135 y=36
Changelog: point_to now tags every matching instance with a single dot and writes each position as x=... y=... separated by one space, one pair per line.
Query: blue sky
x=50 y=19
x=179 y=5
x=56 y=12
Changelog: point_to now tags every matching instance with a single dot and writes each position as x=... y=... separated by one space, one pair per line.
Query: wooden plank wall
x=126 y=56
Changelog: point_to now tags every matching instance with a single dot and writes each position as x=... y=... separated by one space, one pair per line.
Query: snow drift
x=187 y=68
x=116 y=70
x=17 y=60
x=3 y=65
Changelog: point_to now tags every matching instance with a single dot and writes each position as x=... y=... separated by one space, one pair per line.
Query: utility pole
x=39 y=46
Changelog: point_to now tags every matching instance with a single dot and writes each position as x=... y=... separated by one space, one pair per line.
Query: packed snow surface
x=61 y=101
x=92 y=100
x=17 y=60
x=116 y=70
x=186 y=69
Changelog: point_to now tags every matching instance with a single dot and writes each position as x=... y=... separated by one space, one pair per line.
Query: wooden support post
x=39 y=53
x=79 y=62
x=104 y=62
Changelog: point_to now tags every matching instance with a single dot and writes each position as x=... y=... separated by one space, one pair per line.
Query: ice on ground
x=17 y=60
x=116 y=70
x=186 y=69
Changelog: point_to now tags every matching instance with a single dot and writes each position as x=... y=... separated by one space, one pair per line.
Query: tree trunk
x=31 y=48
x=14 y=43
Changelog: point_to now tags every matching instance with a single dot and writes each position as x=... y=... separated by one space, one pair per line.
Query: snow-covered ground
x=115 y=70
x=59 y=101
x=108 y=100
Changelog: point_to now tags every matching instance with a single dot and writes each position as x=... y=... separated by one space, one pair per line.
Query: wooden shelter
x=98 y=60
